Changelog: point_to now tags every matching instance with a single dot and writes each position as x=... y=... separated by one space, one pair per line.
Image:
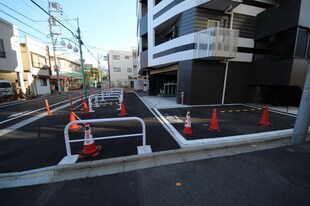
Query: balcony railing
x=217 y=43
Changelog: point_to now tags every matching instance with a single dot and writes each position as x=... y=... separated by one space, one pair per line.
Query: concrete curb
x=133 y=162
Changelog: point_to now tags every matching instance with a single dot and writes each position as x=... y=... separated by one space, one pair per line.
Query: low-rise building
x=70 y=73
x=11 y=67
x=36 y=64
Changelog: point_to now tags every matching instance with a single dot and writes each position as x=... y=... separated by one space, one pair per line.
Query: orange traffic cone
x=85 y=108
x=214 y=126
x=187 y=127
x=123 y=111
x=73 y=127
x=265 y=118
x=90 y=149
x=48 y=108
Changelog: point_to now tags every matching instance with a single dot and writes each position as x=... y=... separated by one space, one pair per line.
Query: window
x=129 y=69
x=157 y=2
x=213 y=23
x=2 y=52
x=126 y=57
x=301 y=47
x=117 y=69
x=37 y=61
x=43 y=82
x=116 y=57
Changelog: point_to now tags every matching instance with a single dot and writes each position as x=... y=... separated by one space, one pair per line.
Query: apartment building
x=121 y=68
x=36 y=64
x=11 y=67
x=224 y=51
x=282 y=52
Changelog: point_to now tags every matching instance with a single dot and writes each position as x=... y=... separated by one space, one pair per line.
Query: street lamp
x=69 y=45
x=75 y=49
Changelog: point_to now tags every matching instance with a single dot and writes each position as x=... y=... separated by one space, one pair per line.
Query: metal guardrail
x=111 y=94
x=141 y=149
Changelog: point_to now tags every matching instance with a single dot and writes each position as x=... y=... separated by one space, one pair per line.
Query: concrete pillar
x=303 y=118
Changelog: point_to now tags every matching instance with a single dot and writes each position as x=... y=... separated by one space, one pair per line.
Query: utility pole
x=51 y=24
x=303 y=118
x=81 y=56
x=98 y=62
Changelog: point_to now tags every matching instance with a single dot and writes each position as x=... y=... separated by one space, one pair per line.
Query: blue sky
x=104 y=24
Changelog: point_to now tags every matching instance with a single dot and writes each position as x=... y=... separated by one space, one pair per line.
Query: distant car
x=6 y=89
x=98 y=84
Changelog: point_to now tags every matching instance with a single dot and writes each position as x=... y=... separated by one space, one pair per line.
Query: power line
x=11 y=26
x=27 y=5
x=91 y=53
x=67 y=19
x=75 y=36
x=20 y=13
x=23 y=22
x=53 y=18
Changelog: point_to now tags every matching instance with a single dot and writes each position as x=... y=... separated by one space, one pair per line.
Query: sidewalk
x=252 y=174
x=128 y=163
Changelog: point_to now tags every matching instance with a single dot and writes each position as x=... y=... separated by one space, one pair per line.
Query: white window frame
x=213 y=21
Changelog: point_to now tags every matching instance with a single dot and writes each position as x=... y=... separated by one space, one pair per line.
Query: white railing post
x=198 y=45
x=105 y=95
x=90 y=105
x=143 y=149
x=208 y=45
x=96 y=100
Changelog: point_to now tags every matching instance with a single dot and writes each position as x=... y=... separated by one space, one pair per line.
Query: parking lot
x=46 y=147
x=232 y=120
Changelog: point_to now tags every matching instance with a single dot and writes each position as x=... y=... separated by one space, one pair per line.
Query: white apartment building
x=121 y=68
x=11 y=67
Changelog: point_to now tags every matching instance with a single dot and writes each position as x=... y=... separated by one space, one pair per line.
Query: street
x=268 y=173
x=16 y=111
x=32 y=139
x=25 y=126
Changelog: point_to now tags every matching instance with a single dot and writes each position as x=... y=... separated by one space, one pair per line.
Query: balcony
x=217 y=44
x=142 y=63
x=220 y=5
x=143 y=25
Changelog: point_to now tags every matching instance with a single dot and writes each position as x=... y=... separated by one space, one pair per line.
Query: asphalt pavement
x=249 y=172
x=44 y=144
x=233 y=120
x=279 y=176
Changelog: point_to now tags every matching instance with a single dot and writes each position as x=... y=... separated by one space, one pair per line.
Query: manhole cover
x=298 y=181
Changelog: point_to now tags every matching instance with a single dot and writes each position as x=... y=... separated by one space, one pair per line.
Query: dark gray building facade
x=223 y=52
